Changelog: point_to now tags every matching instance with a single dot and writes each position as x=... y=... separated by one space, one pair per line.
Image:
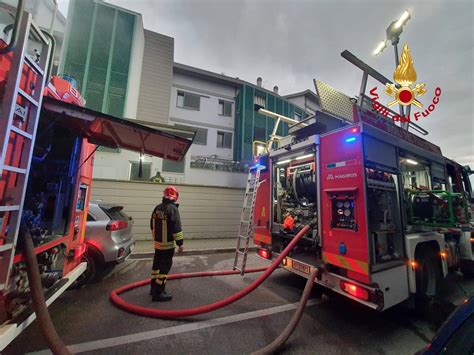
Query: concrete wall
x=156 y=77
x=206 y=212
x=198 y=176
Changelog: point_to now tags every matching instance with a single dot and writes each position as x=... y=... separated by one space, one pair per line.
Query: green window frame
x=98 y=54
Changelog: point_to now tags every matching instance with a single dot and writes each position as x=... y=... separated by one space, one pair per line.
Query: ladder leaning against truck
x=393 y=214
x=47 y=144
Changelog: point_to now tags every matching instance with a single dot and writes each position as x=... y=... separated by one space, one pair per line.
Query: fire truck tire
x=467 y=268
x=428 y=276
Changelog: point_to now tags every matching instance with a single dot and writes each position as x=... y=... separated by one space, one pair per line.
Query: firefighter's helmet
x=171 y=193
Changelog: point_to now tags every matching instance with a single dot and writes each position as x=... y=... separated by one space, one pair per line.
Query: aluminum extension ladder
x=20 y=111
x=247 y=219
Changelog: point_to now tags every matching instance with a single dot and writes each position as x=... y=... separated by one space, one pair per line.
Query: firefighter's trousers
x=162 y=262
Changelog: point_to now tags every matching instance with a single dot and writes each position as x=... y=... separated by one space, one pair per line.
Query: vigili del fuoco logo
x=406 y=93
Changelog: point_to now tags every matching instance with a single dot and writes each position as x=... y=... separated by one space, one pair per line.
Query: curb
x=138 y=256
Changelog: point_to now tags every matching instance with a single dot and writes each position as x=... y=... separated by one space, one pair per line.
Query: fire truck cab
x=393 y=214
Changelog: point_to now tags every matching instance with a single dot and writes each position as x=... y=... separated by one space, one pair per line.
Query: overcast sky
x=288 y=43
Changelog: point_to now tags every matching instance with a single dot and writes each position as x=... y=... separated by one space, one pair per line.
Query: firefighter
x=165 y=224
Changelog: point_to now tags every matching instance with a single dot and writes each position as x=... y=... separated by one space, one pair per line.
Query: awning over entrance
x=166 y=142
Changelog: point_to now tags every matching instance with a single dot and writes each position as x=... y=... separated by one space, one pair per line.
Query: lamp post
x=394 y=30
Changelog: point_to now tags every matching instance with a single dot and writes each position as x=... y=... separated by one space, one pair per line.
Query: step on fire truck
x=47 y=143
x=393 y=214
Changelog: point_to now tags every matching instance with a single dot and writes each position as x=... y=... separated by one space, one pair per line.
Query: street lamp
x=394 y=30
x=403 y=19
x=382 y=45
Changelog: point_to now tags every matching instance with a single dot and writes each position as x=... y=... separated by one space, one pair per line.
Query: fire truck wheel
x=428 y=276
x=467 y=268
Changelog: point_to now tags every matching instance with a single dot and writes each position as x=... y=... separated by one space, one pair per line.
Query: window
x=259 y=101
x=297 y=116
x=134 y=170
x=188 y=100
x=201 y=134
x=225 y=108
x=224 y=140
x=415 y=173
x=90 y=218
x=171 y=166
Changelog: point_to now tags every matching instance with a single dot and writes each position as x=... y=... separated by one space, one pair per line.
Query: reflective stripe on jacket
x=165 y=224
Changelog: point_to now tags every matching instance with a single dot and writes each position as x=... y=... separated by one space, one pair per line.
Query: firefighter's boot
x=159 y=293
x=153 y=285
x=161 y=297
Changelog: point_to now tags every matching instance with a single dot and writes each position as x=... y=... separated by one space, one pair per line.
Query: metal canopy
x=334 y=102
x=113 y=132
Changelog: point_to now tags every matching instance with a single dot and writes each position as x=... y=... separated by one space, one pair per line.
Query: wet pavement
x=89 y=323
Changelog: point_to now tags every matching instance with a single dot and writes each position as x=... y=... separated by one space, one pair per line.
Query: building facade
x=127 y=71
x=308 y=100
x=205 y=102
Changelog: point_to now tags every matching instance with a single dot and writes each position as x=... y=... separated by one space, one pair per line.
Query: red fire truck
x=47 y=143
x=393 y=214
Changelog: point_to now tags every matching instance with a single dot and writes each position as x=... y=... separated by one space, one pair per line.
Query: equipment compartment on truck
x=53 y=174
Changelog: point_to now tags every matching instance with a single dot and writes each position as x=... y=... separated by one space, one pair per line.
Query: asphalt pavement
x=90 y=324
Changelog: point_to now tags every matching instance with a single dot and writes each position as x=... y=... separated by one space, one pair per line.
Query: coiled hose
x=169 y=314
x=179 y=313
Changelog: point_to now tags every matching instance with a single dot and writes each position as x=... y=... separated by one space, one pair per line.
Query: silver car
x=109 y=239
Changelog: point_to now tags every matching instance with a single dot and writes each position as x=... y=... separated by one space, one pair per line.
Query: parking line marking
x=153 y=334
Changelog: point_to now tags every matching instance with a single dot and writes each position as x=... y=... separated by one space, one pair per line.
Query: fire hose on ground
x=117 y=300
